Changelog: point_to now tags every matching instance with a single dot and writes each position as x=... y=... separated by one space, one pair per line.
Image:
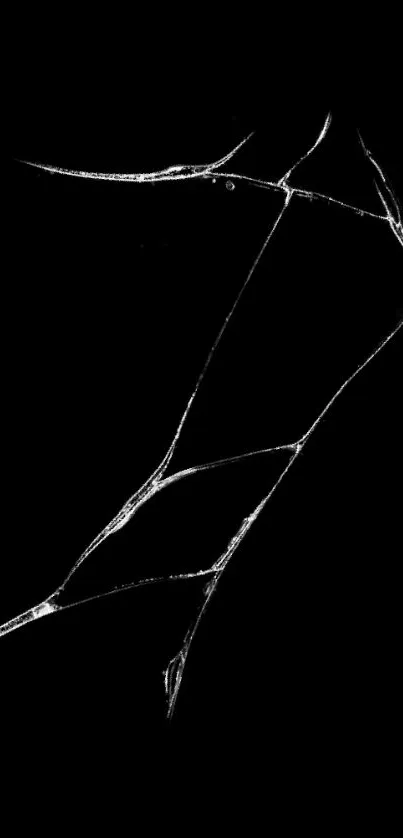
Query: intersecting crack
x=174 y=470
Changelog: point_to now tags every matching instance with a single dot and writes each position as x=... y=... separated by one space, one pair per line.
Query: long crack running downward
x=157 y=481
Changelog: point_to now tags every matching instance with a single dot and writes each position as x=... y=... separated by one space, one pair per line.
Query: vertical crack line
x=320 y=137
x=178 y=662
x=387 y=196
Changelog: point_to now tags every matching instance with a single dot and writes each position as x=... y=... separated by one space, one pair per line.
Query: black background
x=113 y=297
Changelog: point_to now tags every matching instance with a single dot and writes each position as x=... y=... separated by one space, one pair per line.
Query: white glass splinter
x=157 y=481
x=178 y=172
x=387 y=197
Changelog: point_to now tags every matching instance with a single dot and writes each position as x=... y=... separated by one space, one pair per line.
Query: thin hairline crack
x=156 y=482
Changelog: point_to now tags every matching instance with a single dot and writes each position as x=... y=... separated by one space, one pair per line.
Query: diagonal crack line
x=173 y=674
x=356 y=372
x=152 y=485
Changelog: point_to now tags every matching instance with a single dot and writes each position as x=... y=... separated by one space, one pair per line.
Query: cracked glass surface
x=294 y=327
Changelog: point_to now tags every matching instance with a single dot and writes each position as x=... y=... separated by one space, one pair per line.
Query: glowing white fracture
x=156 y=482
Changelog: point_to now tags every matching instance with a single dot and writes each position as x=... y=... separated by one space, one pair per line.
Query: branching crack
x=158 y=481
